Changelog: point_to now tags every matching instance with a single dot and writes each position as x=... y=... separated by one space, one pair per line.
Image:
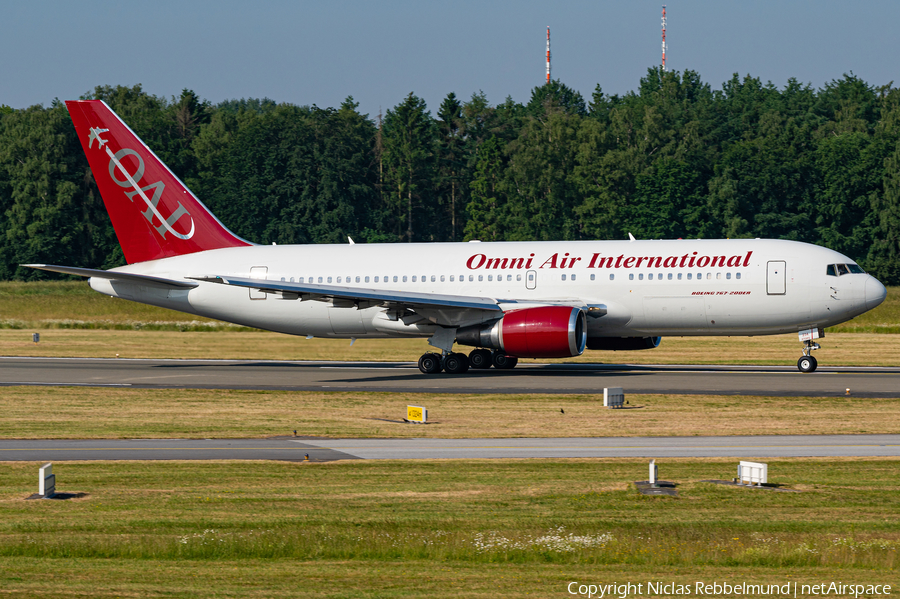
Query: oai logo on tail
x=131 y=180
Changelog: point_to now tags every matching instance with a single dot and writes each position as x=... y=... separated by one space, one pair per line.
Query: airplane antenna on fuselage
x=631 y=237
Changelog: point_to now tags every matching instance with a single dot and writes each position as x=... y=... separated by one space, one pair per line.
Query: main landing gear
x=455 y=363
x=485 y=358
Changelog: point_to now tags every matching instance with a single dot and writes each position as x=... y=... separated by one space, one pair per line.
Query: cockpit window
x=836 y=270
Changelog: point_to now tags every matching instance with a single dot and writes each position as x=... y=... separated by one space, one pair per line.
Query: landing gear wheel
x=502 y=361
x=807 y=364
x=430 y=363
x=480 y=358
x=456 y=363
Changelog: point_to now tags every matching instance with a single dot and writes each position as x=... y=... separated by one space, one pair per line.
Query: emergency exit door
x=258 y=272
x=775 y=277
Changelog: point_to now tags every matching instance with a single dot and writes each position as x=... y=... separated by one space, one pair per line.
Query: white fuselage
x=648 y=288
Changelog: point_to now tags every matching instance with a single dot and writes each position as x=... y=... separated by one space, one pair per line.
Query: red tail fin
x=154 y=214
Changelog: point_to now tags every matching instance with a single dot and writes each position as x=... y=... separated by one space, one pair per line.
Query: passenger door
x=776 y=273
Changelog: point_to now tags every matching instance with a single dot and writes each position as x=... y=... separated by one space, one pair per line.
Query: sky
x=320 y=52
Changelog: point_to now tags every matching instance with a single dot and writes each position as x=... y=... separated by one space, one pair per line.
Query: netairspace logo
x=719 y=589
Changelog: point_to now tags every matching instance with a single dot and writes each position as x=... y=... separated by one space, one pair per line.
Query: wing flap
x=356 y=295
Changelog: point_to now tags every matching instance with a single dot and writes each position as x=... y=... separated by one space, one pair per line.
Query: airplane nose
x=875 y=293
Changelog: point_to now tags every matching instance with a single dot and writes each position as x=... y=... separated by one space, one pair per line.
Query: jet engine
x=541 y=332
x=623 y=343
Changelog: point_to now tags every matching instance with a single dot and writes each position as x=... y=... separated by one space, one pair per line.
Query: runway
x=291 y=449
x=403 y=377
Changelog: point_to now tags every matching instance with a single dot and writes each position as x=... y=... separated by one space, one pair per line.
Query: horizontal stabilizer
x=117 y=276
x=354 y=294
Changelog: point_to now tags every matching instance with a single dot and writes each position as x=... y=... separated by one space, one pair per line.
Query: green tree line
x=674 y=158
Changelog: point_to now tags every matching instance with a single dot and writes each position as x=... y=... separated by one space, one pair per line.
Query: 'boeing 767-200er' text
x=509 y=300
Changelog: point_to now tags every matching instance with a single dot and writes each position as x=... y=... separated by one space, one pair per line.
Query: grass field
x=473 y=528
x=444 y=528
x=73 y=412
x=849 y=349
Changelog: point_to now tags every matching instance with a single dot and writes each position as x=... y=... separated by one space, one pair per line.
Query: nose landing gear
x=807 y=363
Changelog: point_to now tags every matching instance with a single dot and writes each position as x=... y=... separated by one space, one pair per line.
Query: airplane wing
x=357 y=295
x=113 y=275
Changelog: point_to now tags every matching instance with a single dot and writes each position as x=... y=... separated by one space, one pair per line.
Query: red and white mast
x=548 y=55
x=663 y=39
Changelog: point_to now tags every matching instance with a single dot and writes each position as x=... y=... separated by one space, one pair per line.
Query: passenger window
x=659 y=276
x=564 y=277
x=737 y=276
x=641 y=277
x=718 y=276
x=519 y=277
x=451 y=278
x=490 y=277
x=357 y=279
x=480 y=278
x=395 y=278
x=376 y=279
x=728 y=275
x=679 y=276
x=433 y=279
x=670 y=276
x=367 y=279
x=593 y=276
x=442 y=278
x=689 y=276
x=472 y=278
x=650 y=277
x=300 y=280
x=338 y=280
x=631 y=276
x=612 y=277
x=509 y=278
x=708 y=276
x=414 y=278
x=404 y=278
x=329 y=279
x=320 y=279
x=573 y=277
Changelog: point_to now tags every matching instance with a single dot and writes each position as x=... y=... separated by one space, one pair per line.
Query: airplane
x=507 y=300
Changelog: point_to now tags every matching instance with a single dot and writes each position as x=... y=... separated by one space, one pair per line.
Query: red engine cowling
x=542 y=332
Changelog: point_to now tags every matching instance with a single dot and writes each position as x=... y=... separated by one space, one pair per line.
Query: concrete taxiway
x=399 y=377
x=319 y=449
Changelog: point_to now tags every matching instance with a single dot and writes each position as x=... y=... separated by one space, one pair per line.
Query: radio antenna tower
x=663 y=39
x=548 y=55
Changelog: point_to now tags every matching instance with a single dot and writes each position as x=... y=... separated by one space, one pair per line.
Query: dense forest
x=675 y=158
